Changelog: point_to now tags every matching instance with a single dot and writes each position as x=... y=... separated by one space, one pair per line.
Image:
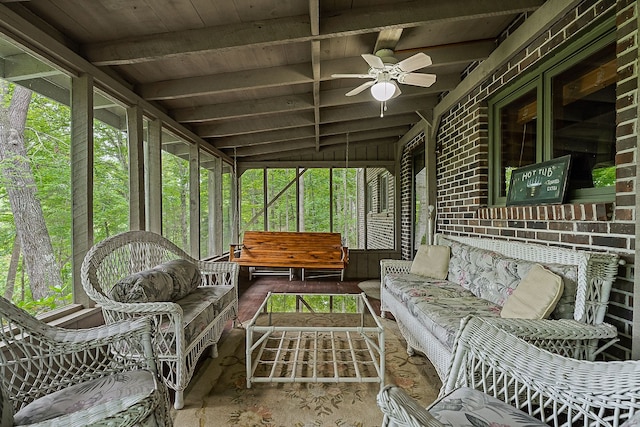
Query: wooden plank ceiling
x=253 y=77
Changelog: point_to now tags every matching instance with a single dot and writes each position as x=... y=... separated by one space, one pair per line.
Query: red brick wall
x=463 y=168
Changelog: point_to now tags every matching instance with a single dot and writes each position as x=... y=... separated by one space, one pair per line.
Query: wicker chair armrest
x=400 y=409
x=82 y=339
x=591 y=393
x=94 y=353
x=219 y=273
x=394 y=266
x=561 y=329
x=144 y=308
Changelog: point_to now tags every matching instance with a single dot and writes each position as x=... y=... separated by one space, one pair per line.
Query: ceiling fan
x=385 y=71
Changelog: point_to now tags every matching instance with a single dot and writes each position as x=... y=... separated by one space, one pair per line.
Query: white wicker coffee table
x=315 y=338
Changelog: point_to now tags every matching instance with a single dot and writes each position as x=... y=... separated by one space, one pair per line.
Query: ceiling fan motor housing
x=387 y=56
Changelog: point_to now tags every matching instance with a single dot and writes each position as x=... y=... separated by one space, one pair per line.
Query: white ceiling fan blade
x=373 y=61
x=351 y=76
x=415 y=62
x=397 y=92
x=418 y=79
x=360 y=88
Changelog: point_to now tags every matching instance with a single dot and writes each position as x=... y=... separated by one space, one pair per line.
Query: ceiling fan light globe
x=383 y=91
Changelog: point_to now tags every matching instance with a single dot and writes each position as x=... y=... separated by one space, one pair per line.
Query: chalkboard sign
x=539 y=184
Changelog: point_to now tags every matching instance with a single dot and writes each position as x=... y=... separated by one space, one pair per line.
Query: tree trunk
x=13 y=268
x=31 y=230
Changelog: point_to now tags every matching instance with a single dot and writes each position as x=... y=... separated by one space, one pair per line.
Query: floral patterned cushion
x=100 y=398
x=493 y=276
x=469 y=407
x=169 y=281
x=200 y=308
x=405 y=286
x=442 y=316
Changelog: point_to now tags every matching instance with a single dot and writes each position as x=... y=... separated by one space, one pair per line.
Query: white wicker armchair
x=56 y=377
x=181 y=331
x=492 y=367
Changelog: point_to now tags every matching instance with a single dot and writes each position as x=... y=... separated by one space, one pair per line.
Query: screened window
x=383 y=192
x=175 y=194
x=565 y=107
x=320 y=200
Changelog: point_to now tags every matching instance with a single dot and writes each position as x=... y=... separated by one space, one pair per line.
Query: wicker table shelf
x=315 y=338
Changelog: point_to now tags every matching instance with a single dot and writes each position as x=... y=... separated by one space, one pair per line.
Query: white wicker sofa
x=498 y=379
x=140 y=273
x=481 y=275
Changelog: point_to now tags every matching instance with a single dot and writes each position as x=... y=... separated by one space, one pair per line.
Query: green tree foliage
x=111 y=181
x=175 y=199
x=47 y=139
x=252 y=200
x=315 y=201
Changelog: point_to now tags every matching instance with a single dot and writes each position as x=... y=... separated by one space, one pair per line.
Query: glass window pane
x=518 y=123
x=380 y=218
x=252 y=200
x=420 y=212
x=175 y=193
x=281 y=199
x=110 y=169
x=228 y=200
x=584 y=119
x=347 y=214
x=315 y=201
x=207 y=213
x=35 y=198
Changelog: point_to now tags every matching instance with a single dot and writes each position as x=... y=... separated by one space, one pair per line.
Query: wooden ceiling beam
x=369 y=124
x=314 y=19
x=227 y=82
x=296 y=29
x=25 y=67
x=265 y=137
x=302 y=102
x=367 y=135
x=369 y=109
x=244 y=109
x=387 y=39
x=273 y=138
x=301 y=151
x=239 y=127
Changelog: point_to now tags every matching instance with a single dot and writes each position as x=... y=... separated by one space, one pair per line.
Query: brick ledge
x=571 y=212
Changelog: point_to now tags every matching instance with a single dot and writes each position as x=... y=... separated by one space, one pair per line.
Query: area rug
x=371 y=288
x=218 y=395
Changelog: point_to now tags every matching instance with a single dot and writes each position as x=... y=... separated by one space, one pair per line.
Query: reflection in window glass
x=315 y=200
x=281 y=199
x=175 y=197
x=380 y=219
x=252 y=200
x=584 y=119
x=420 y=212
x=518 y=121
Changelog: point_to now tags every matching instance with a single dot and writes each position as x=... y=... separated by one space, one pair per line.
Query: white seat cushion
x=100 y=398
x=431 y=261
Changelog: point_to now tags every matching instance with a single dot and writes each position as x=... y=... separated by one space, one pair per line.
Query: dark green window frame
x=539 y=80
